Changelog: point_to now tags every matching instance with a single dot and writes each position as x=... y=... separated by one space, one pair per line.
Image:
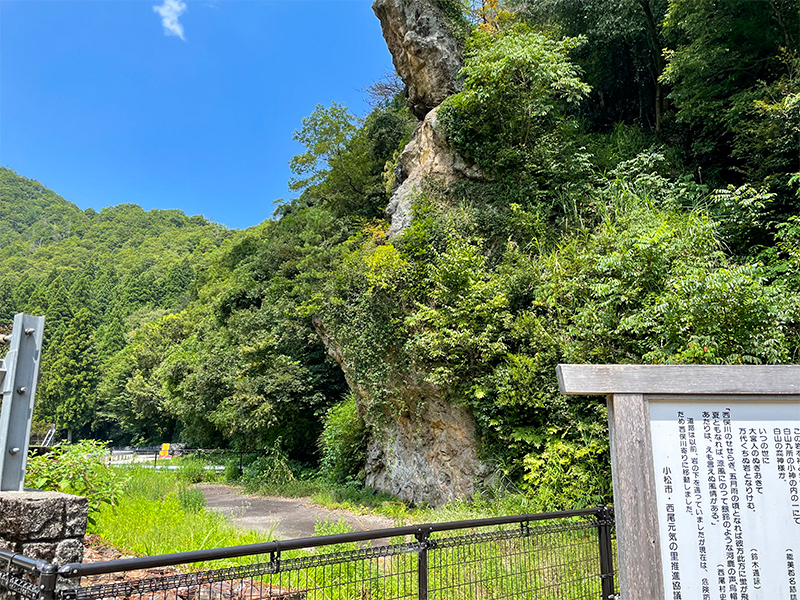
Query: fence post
x=422 y=564
x=47 y=582
x=606 y=553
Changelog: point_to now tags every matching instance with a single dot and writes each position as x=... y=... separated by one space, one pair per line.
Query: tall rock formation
x=428 y=59
x=425 y=53
x=422 y=447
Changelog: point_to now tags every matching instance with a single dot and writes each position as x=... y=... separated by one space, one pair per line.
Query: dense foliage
x=638 y=204
x=77 y=469
x=96 y=277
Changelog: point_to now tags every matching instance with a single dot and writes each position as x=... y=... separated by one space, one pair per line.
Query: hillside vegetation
x=636 y=206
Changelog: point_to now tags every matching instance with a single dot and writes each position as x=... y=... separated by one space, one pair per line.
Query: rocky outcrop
x=426 y=455
x=427 y=57
x=422 y=448
x=426 y=155
x=424 y=51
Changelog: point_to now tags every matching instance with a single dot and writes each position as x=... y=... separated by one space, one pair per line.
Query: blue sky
x=104 y=102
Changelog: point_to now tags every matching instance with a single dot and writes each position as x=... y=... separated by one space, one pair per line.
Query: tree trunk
x=654 y=41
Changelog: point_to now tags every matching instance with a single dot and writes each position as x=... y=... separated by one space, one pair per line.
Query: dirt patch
x=96 y=549
x=284 y=518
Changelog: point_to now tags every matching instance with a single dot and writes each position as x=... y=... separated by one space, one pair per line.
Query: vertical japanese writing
x=674 y=556
x=747 y=469
x=756 y=566
x=794 y=498
x=791 y=465
x=737 y=575
x=759 y=451
x=721 y=423
x=723 y=590
x=683 y=440
x=729 y=495
x=710 y=474
x=697 y=492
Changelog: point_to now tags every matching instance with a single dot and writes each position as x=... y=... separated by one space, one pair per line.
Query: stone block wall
x=43 y=525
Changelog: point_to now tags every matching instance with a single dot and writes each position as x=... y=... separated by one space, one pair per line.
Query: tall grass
x=157 y=513
x=160 y=513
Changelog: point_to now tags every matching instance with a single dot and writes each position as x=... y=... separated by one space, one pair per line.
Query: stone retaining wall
x=43 y=525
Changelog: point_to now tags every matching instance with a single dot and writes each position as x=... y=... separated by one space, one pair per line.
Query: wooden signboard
x=706 y=464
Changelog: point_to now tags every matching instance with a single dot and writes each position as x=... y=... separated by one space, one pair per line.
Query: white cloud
x=170 y=11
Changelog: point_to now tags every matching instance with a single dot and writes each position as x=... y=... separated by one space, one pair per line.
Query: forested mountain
x=96 y=277
x=32 y=212
x=605 y=181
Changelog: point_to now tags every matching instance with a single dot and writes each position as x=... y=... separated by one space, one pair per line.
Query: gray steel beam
x=21 y=366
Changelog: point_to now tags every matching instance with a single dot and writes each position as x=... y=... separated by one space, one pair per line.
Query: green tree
x=81 y=294
x=622 y=59
x=68 y=392
x=131 y=395
x=511 y=113
x=726 y=57
x=178 y=283
x=324 y=134
x=346 y=157
x=111 y=336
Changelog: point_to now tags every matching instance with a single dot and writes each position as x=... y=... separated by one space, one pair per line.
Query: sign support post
x=705 y=463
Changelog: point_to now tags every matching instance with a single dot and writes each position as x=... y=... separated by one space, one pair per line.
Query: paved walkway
x=286 y=518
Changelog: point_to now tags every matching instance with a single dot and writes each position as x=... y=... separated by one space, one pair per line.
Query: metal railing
x=144 y=454
x=548 y=556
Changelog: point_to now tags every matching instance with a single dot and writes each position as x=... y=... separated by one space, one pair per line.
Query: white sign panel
x=727 y=476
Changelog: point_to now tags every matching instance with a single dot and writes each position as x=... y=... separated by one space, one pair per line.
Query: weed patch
x=158 y=513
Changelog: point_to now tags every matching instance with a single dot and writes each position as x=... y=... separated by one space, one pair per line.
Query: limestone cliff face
x=422 y=447
x=424 y=51
x=427 y=455
x=427 y=154
x=428 y=59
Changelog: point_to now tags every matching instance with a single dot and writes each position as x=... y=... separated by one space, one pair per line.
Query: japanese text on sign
x=728 y=498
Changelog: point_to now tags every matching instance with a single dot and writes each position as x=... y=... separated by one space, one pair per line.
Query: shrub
x=343 y=442
x=192 y=470
x=77 y=469
x=191 y=500
x=516 y=87
x=232 y=469
x=272 y=469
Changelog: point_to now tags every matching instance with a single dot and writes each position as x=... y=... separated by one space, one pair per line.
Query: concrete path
x=286 y=518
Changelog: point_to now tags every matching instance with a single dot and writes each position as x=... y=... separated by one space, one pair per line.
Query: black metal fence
x=549 y=556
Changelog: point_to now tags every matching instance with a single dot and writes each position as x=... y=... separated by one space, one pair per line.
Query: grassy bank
x=158 y=512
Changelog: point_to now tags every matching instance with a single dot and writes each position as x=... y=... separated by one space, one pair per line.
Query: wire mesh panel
x=564 y=556
x=386 y=572
x=15 y=584
x=557 y=561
